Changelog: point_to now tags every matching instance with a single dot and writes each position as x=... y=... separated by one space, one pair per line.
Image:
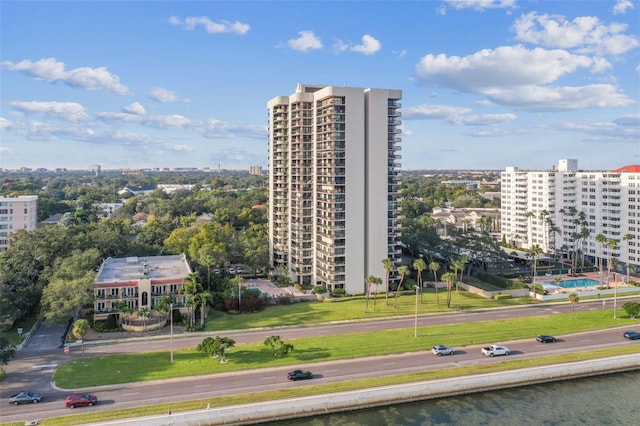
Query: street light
x=171 y=314
x=415 y=328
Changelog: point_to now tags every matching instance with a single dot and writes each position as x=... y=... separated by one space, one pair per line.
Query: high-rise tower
x=333 y=184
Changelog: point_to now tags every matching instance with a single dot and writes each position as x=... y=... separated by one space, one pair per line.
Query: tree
x=7 y=350
x=612 y=244
x=420 y=265
x=191 y=288
x=403 y=271
x=534 y=251
x=376 y=282
x=449 y=278
x=79 y=329
x=574 y=299
x=632 y=309
x=601 y=239
x=145 y=314
x=278 y=347
x=203 y=299
x=456 y=266
x=435 y=266
x=371 y=281
x=216 y=348
x=388 y=266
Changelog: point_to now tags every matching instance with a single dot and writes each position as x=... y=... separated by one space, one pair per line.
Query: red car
x=81 y=400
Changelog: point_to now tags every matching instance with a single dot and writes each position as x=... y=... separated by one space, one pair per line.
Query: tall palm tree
x=190 y=288
x=403 y=271
x=420 y=265
x=612 y=244
x=530 y=215
x=388 y=266
x=456 y=266
x=601 y=239
x=449 y=278
x=627 y=238
x=435 y=266
x=574 y=299
x=535 y=251
x=369 y=281
x=376 y=281
x=204 y=298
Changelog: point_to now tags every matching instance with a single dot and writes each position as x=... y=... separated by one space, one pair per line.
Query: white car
x=442 y=350
x=495 y=350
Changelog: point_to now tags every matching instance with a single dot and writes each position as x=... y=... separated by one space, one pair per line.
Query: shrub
x=502 y=296
x=339 y=292
x=632 y=308
x=319 y=289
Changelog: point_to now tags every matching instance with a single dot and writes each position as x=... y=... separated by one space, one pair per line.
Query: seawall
x=262 y=412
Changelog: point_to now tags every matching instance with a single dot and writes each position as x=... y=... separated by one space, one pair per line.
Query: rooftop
x=136 y=268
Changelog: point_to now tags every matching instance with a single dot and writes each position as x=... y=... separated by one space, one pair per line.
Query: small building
x=140 y=282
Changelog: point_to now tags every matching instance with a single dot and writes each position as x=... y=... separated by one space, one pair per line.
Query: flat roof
x=137 y=268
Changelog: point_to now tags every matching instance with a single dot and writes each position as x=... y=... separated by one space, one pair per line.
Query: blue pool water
x=577 y=283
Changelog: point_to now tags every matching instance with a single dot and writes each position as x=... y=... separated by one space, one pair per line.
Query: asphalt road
x=34 y=365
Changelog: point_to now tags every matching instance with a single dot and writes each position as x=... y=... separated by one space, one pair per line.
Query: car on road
x=545 y=338
x=25 y=397
x=631 y=335
x=81 y=400
x=495 y=350
x=299 y=375
x=442 y=350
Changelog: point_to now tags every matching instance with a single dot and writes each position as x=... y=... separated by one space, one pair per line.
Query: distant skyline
x=152 y=84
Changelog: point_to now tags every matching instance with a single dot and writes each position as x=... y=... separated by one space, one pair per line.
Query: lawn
x=125 y=368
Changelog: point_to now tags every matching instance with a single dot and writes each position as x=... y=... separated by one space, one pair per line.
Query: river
x=602 y=400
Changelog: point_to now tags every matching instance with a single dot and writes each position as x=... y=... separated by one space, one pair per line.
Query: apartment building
x=139 y=282
x=18 y=212
x=549 y=208
x=333 y=184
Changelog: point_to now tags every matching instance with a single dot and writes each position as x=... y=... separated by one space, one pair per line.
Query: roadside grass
x=118 y=369
x=315 y=389
x=354 y=309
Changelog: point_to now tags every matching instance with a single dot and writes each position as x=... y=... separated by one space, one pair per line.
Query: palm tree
x=376 y=281
x=204 y=298
x=449 y=278
x=456 y=266
x=535 y=251
x=208 y=261
x=612 y=244
x=145 y=313
x=601 y=239
x=190 y=288
x=627 y=238
x=369 y=281
x=403 y=271
x=574 y=299
x=420 y=265
x=79 y=329
x=434 y=266
x=388 y=266
x=530 y=215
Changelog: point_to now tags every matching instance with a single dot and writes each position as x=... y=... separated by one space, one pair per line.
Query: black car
x=299 y=375
x=631 y=335
x=544 y=338
x=25 y=397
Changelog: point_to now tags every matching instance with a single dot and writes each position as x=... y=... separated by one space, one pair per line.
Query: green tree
x=457 y=266
x=79 y=329
x=601 y=239
x=190 y=289
x=216 y=348
x=419 y=265
x=574 y=299
x=435 y=266
x=403 y=271
x=535 y=251
x=145 y=314
x=449 y=278
x=612 y=244
x=277 y=346
x=7 y=350
x=627 y=238
x=632 y=309
x=388 y=266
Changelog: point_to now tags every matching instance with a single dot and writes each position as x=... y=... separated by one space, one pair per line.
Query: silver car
x=25 y=397
x=442 y=350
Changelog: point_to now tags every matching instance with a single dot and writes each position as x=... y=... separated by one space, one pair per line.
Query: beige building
x=19 y=212
x=333 y=184
x=140 y=282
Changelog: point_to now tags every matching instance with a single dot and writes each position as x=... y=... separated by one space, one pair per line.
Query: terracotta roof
x=628 y=169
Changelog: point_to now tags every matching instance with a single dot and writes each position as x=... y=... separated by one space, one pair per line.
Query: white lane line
x=130 y=393
x=45 y=366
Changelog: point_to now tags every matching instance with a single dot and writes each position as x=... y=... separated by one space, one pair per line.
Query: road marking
x=130 y=393
x=45 y=366
x=203 y=386
x=331 y=371
x=268 y=378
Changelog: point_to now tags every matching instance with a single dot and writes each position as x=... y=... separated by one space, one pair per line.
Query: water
x=579 y=283
x=603 y=400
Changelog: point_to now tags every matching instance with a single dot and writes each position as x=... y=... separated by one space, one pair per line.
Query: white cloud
x=135 y=108
x=519 y=77
x=190 y=23
x=481 y=4
x=456 y=115
x=5 y=124
x=70 y=111
x=621 y=6
x=368 y=47
x=163 y=95
x=586 y=34
x=51 y=70
x=307 y=41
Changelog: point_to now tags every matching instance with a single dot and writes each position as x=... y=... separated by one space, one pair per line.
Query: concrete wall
x=352 y=400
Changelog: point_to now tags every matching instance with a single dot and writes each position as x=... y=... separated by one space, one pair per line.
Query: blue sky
x=486 y=83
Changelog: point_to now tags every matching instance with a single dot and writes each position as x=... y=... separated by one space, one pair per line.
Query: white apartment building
x=549 y=207
x=19 y=212
x=333 y=184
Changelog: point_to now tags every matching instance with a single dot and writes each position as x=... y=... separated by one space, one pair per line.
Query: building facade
x=140 y=282
x=333 y=184
x=19 y=212
x=564 y=209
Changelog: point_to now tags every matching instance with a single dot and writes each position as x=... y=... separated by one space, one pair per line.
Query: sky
x=486 y=84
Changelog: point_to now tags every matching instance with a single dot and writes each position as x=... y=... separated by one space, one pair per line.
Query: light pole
x=239 y=296
x=415 y=327
x=171 y=338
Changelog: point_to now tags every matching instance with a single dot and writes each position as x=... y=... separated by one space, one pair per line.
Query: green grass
x=115 y=369
x=315 y=389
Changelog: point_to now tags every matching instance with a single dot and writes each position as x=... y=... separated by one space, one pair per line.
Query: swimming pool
x=577 y=283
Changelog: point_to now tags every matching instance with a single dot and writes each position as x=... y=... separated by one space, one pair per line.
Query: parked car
x=631 y=335
x=495 y=350
x=81 y=400
x=299 y=375
x=442 y=350
x=25 y=397
x=545 y=338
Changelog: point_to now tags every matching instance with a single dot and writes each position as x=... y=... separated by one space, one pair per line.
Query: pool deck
x=617 y=280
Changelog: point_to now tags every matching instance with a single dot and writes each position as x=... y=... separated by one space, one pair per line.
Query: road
x=32 y=369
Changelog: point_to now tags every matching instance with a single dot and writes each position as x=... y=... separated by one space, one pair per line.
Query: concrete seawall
x=261 y=412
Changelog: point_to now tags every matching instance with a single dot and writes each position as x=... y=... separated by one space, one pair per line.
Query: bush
x=319 y=289
x=502 y=296
x=339 y=292
x=632 y=308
